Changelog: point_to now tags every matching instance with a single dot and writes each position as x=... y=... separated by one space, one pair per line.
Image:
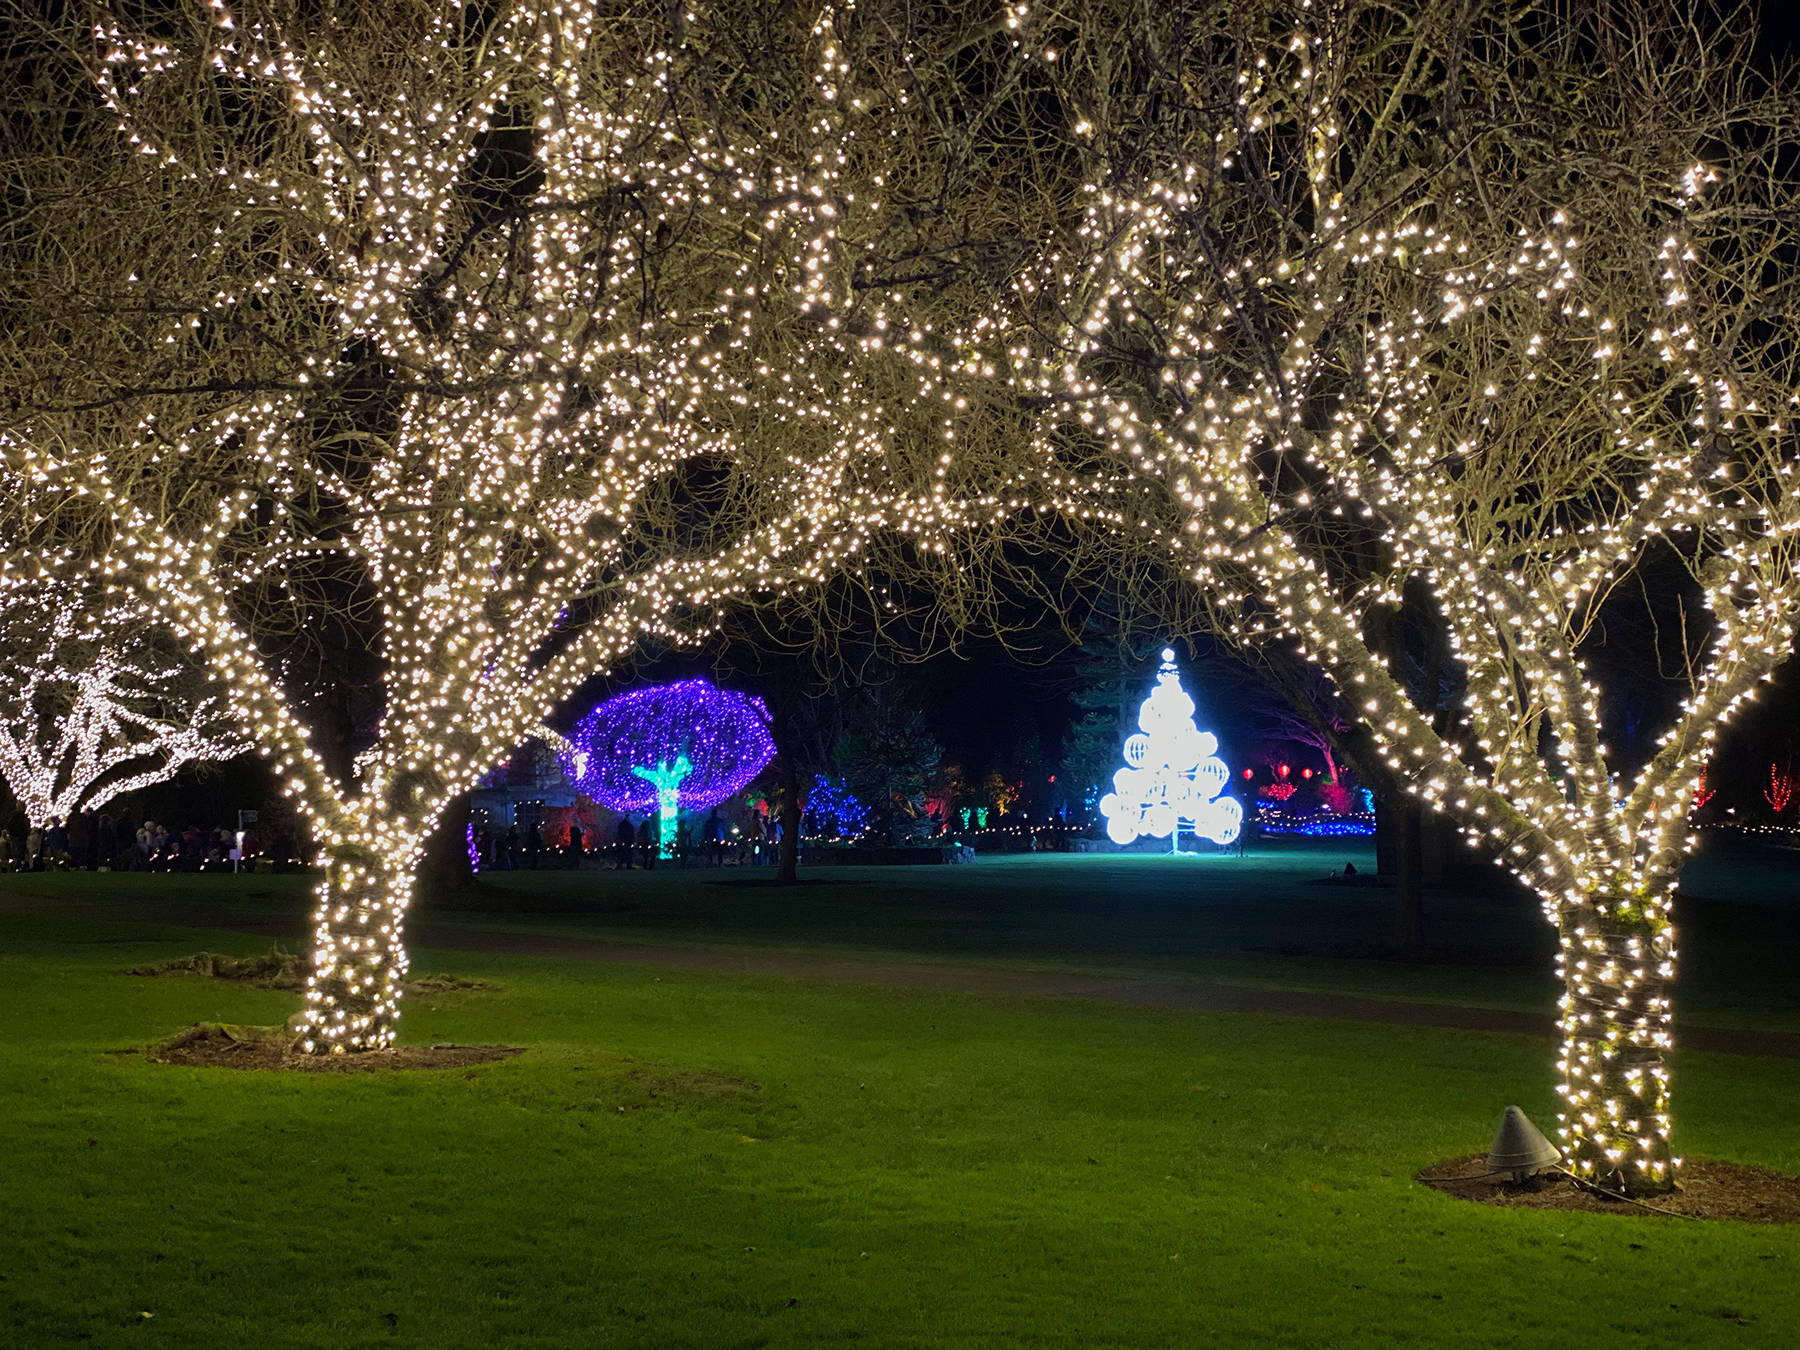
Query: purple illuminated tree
x=669 y=747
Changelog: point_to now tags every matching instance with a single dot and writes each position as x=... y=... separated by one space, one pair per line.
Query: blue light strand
x=836 y=808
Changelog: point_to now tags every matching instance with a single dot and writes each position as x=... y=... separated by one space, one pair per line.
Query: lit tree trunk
x=359 y=958
x=1617 y=962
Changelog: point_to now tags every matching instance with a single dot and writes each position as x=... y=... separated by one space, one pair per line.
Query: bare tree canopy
x=1488 y=301
x=499 y=339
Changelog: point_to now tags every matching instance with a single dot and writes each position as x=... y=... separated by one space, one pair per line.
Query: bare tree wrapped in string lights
x=668 y=748
x=97 y=700
x=1399 y=321
x=562 y=327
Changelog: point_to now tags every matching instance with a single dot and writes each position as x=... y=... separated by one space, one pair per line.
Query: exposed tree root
x=230 y=1046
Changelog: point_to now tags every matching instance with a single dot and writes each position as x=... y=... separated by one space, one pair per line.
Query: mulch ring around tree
x=279 y=968
x=1708 y=1190
x=224 y=1045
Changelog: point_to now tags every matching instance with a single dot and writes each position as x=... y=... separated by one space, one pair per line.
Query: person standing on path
x=56 y=838
x=714 y=831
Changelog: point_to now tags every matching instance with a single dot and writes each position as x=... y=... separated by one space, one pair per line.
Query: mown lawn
x=1268 y=919
x=698 y=1158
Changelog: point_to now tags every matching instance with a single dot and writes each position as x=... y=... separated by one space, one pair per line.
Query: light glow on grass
x=708 y=1158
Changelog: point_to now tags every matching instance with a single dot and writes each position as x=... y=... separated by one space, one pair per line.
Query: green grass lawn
x=1266 y=919
x=703 y=1158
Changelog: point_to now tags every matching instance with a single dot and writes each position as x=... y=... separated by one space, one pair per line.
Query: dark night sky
x=1781 y=27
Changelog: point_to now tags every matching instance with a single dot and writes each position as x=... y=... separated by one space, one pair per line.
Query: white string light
x=487 y=516
x=670 y=295
x=89 y=712
x=1254 y=430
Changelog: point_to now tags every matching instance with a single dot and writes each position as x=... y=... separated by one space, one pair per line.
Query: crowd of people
x=634 y=842
x=102 y=842
x=91 y=842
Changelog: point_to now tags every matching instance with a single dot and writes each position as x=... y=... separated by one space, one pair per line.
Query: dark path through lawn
x=1264 y=934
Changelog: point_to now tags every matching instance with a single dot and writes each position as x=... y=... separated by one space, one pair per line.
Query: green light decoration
x=666 y=779
x=981 y=814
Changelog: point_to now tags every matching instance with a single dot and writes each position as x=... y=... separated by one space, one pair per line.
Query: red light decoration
x=1780 y=790
x=1703 y=794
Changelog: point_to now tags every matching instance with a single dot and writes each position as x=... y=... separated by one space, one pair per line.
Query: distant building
x=530 y=790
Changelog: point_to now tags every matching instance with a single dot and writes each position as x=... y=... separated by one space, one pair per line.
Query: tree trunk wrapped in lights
x=1372 y=343
x=558 y=328
x=96 y=701
x=359 y=961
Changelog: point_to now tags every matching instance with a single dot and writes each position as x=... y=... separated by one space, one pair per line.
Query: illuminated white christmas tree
x=1172 y=773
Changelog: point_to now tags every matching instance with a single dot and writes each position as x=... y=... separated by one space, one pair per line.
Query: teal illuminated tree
x=666 y=778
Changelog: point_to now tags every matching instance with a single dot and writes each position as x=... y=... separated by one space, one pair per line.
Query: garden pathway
x=1167 y=991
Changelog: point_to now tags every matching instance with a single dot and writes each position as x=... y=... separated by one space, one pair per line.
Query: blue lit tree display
x=836 y=808
x=1172 y=773
x=670 y=748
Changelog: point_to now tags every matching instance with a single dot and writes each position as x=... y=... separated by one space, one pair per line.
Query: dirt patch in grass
x=449 y=984
x=1708 y=1190
x=279 y=968
x=223 y=1045
x=692 y=1084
